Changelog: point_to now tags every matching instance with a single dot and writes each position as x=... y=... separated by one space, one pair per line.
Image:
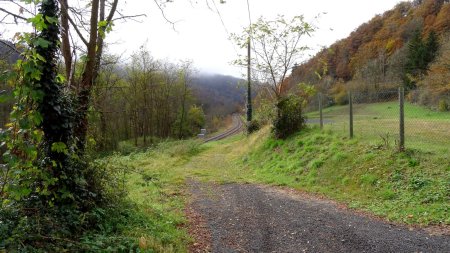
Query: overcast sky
x=200 y=36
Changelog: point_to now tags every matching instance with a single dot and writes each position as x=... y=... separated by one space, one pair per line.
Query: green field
x=425 y=129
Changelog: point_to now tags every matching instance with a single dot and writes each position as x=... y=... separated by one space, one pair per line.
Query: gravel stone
x=255 y=218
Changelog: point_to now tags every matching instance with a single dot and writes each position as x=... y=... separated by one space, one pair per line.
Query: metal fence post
x=350 y=102
x=320 y=110
x=401 y=99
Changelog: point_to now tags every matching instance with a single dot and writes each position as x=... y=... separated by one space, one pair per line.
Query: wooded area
x=68 y=108
x=407 y=45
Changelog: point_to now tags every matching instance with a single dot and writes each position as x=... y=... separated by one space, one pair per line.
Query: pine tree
x=432 y=46
x=415 y=63
x=420 y=54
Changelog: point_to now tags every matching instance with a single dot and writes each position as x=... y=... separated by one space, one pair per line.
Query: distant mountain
x=219 y=95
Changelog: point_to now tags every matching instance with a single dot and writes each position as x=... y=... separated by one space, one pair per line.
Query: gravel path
x=253 y=218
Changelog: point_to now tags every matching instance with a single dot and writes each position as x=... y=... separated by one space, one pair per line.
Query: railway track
x=237 y=127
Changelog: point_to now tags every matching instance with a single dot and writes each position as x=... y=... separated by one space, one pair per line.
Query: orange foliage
x=382 y=36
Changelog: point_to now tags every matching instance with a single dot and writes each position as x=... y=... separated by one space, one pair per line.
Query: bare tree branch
x=15 y=16
x=164 y=15
x=129 y=17
x=112 y=11
x=65 y=8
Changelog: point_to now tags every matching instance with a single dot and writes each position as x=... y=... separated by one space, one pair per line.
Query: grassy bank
x=152 y=218
x=411 y=187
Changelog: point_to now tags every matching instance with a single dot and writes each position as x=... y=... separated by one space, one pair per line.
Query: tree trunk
x=84 y=94
x=183 y=111
x=65 y=41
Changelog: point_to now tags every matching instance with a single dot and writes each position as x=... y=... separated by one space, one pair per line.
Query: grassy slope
x=411 y=187
x=424 y=129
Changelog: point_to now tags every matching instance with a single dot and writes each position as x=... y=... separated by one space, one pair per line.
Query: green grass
x=411 y=187
x=156 y=190
x=425 y=129
x=156 y=183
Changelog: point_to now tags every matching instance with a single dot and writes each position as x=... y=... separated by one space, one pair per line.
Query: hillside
x=219 y=95
x=377 y=55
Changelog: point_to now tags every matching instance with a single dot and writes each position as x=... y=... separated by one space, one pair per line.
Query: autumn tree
x=277 y=45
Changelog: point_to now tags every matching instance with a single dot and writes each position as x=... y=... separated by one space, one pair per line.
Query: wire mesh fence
x=375 y=117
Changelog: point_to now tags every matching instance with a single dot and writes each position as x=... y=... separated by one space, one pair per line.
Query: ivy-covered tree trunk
x=56 y=118
x=55 y=108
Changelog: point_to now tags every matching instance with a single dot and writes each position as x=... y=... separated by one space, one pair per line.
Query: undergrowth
x=144 y=211
x=151 y=216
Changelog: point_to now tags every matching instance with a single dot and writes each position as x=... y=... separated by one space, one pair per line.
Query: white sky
x=201 y=37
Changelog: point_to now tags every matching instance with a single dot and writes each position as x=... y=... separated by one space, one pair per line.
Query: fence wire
x=376 y=118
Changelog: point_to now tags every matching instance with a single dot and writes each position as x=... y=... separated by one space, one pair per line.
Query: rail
x=237 y=127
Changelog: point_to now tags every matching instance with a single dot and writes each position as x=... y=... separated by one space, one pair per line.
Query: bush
x=443 y=106
x=289 y=119
x=341 y=98
x=253 y=126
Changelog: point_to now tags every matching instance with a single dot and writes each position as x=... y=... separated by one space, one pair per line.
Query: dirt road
x=252 y=218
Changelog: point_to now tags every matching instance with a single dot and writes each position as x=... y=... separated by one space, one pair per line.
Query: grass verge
x=152 y=217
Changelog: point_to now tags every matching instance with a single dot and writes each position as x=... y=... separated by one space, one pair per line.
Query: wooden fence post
x=350 y=102
x=401 y=99
x=320 y=110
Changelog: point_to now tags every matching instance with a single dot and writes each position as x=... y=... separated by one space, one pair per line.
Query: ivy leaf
x=5 y=97
x=36 y=74
x=37 y=118
x=51 y=20
x=38 y=22
x=60 y=79
x=40 y=42
x=67 y=195
x=59 y=147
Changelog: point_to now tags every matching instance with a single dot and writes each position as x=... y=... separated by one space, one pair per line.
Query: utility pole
x=249 y=89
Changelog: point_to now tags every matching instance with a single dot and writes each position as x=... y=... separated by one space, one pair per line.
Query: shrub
x=341 y=98
x=289 y=119
x=443 y=106
x=253 y=126
x=340 y=95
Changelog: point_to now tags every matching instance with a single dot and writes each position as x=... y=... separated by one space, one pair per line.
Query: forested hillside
x=219 y=95
x=408 y=45
x=146 y=100
x=149 y=100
